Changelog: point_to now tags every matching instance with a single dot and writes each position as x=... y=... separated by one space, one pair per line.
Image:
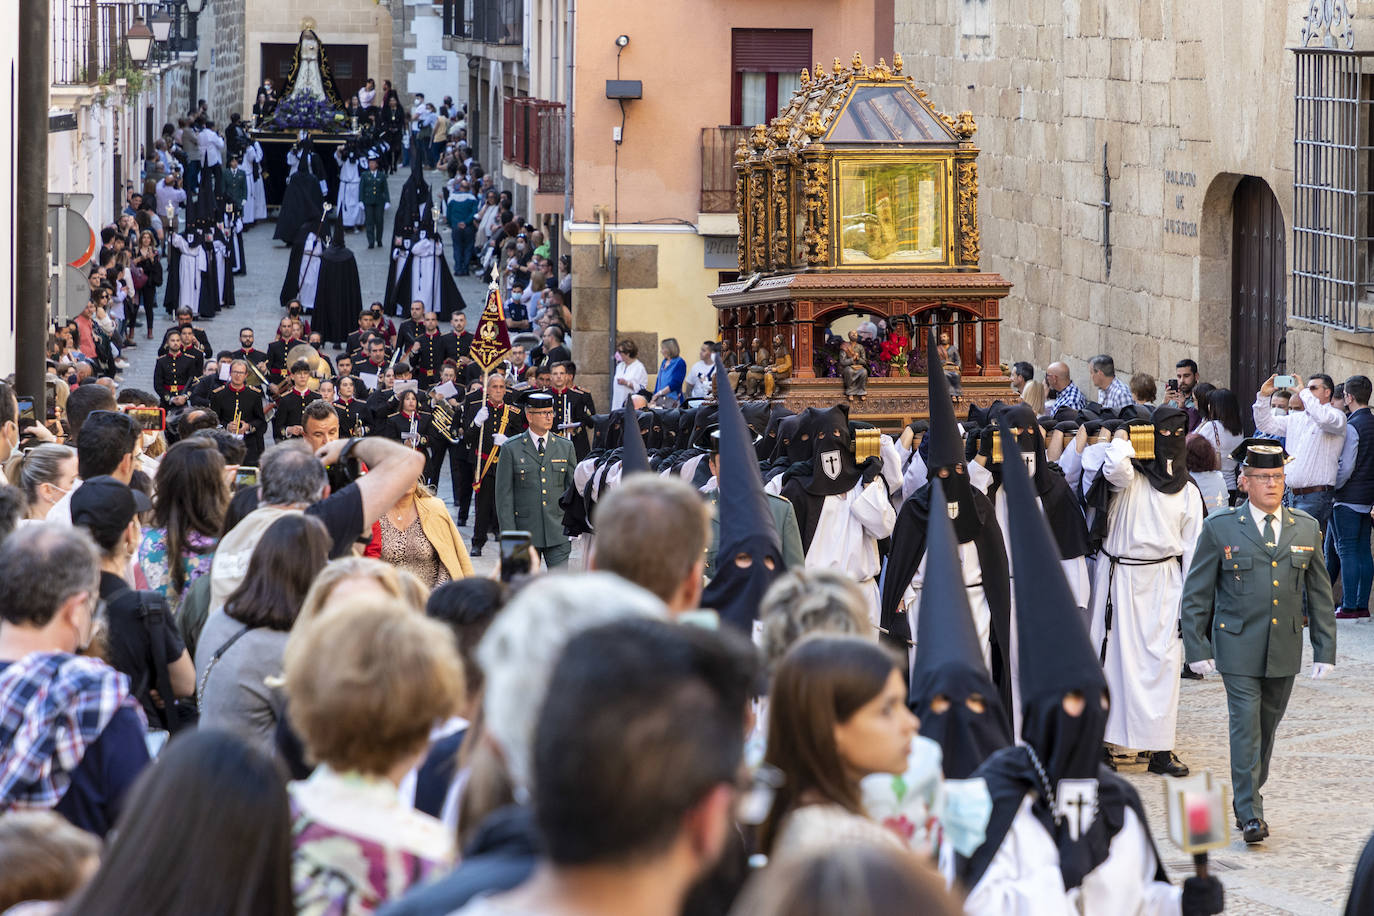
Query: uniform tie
x=539 y=442
x=1269 y=530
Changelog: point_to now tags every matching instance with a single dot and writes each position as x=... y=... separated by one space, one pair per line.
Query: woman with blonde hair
x=349 y=577
x=1033 y=396
x=356 y=845
x=418 y=535
x=45 y=473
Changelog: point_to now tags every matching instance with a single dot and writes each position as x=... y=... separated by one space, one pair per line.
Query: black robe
x=338 y=294
x=291 y=283
x=399 y=287
x=209 y=284
x=171 y=293
x=908 y=549
x=301 y=204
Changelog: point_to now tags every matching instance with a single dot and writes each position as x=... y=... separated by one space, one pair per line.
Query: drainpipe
x=31 y=270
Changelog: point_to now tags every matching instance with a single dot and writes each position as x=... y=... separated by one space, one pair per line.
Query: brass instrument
x=319 y=370
x=236 y=420
x=443 y=418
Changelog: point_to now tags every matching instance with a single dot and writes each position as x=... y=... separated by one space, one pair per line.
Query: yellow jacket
x=440 y=531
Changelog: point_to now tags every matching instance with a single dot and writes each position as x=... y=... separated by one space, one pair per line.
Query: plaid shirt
x=53 y=706
x=1070 y=397
x=1116 y=396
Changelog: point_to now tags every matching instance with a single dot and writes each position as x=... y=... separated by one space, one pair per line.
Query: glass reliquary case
x=859 y=171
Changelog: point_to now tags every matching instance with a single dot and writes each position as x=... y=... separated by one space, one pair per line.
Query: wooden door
x=1259 y=300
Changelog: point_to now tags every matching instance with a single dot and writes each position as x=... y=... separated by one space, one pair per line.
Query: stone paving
x=1319 y=800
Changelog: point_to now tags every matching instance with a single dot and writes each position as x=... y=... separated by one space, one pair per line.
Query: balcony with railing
x=718 y=167
x=87 y=41
x=497 y=23
x=533 y=138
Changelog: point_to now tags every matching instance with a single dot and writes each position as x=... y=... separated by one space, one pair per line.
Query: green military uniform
x=236 y=187
x=374 y=195
x=1243 y=607
x=528 y=486
x=784 y=519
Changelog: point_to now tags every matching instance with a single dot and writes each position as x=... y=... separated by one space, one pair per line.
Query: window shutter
x=770 y=49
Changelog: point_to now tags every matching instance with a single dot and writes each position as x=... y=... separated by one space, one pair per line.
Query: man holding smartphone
x=1314 y=435
x=535 y=468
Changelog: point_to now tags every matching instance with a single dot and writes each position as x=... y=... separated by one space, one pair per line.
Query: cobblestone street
x=1319 y=815
x=1325 y=743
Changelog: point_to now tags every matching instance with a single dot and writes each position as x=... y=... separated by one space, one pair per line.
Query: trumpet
x=236 y=420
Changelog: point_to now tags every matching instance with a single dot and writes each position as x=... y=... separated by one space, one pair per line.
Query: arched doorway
x=1259 y=300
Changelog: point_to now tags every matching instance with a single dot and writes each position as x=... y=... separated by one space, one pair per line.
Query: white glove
x=1204 y=667
x=480 y=417
x=1320 y=670
x=500 y=439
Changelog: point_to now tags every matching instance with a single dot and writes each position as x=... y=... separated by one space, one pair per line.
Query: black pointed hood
x=944 y=451
x=949 y=660
x=1057 y=660
x=946 y=447
x=413 y=193
x=746 y=524
x=633 y=457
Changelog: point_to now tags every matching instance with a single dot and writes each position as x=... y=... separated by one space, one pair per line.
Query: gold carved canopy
x=859 y=170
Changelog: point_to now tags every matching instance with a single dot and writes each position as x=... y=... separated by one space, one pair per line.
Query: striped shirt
x=1116 y=395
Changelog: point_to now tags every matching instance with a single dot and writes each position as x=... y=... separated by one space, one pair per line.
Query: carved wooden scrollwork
x=966 y=174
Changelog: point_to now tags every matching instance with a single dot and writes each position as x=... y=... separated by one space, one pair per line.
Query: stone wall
x=1187 y=98
x=226 y=90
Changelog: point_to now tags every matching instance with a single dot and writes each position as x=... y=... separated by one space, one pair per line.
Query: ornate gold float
x=860 y=199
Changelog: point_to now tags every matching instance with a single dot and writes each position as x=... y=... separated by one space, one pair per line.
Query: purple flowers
x=306 y=111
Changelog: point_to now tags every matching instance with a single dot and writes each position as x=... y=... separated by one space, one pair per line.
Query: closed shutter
x=770 y=49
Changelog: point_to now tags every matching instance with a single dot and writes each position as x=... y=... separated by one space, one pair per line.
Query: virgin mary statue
x=310 y=69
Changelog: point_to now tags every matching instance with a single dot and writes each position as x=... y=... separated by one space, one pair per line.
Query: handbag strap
x=200 y=688
x=153 y=622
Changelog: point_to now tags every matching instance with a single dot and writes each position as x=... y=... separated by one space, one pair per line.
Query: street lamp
x=162 y=26
x=140 y=39
x=194 y=7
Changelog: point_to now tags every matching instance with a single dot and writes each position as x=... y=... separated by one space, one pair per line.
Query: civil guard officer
x=535 y=468
x=1242 y=615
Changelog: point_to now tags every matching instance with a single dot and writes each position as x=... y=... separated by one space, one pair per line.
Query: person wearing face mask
x=1066 y=834
x=1152 y=522
x=46 y=474
x=54 y=698
x=9 y=422
x=982 y=551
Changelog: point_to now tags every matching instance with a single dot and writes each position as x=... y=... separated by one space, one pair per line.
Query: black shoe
x=1188 y=674
x=462 y=521
x=1166 y=763
x=1255 y=831
x=475 y=552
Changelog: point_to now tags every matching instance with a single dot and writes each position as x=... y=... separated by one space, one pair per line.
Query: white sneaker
x=122 y=363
